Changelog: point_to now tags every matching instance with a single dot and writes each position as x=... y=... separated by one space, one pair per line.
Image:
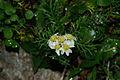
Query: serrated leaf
x=29 y=14
x=8 y=32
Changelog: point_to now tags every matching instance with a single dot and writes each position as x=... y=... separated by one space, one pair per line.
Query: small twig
x=107 y=78
x=63 y=74
x=108 y=74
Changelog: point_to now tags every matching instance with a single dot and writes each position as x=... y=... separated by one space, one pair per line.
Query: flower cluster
x=62 y=44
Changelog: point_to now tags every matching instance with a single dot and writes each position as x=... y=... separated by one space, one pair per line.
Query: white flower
x=56 y=46
x=70 y=39
x=52 y=41
x=62 y=44
x=71 y=43
x=61 y=39
x=51 y=44
x=57 y=49
x=53 y=37
x=66 y=47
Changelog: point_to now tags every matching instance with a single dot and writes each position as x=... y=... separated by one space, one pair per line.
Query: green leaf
x=40 y=61
x=117 y=60
x=107 y=55
x=1 y=28
x=82 y=8
x=74 y=72
x=7 y=21
x=16 y=0
x=30 y=47
x=87 y=34
x=1 y=15
x=117 y=75
x=8 y=32
x=36 y=62
x=22 y=21
x=14 y=17
x=39 y=18
x=63 y=20
x=1 y=4
x=15 y=44
x=9 y=10
x=63 y=62
x=104 y=2
x=8 y=42
x=92 y=75
x=109 y=48
x=29 y=14
x=88 y=63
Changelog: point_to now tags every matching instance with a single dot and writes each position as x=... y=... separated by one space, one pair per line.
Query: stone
x=18 y=66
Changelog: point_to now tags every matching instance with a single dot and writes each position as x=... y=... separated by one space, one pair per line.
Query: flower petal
x=62 y=51
x=51 y=44
x=74 y=38
x=68 y=51
x=58 y=52
x=70 y=43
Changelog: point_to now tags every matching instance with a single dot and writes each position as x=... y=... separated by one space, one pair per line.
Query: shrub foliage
x=94 y=23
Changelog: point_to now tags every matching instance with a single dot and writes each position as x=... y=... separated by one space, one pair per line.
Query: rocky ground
x=18 y=66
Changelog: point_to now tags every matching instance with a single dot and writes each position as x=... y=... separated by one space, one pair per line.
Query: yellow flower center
x=61 y=39
x=57 y=46
x=69 y=36
x=66 y=47
x=52 y=38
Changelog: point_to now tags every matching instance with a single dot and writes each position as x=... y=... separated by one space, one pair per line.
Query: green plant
x=94 y=23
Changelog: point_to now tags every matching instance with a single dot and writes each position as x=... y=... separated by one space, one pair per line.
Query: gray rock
x=18 y=66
